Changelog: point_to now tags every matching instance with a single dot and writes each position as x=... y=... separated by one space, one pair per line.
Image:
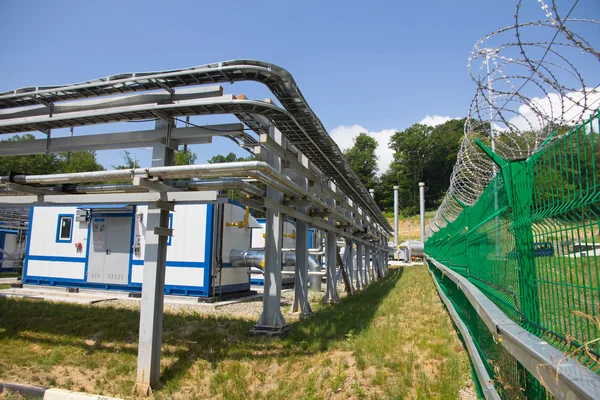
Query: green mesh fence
x=531 y=243
x=511 y=380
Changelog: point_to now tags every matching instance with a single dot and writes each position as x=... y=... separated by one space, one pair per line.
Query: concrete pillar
x=331 y=294
x=271 y=320
x=301 y=304
x=422 y=207
x=153 y=280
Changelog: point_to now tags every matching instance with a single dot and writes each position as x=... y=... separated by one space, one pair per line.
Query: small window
x=64 y=230
x=170 y=227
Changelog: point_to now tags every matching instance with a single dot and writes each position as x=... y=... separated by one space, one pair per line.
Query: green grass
x=4 y=286
x=9 y=274
x=392 y=340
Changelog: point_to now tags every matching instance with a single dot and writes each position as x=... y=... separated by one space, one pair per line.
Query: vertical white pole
x=422 y=203
x=396 y=222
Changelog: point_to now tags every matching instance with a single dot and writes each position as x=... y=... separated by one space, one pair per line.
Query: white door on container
x=97 y=250
x=109 y=251
x=118 y=248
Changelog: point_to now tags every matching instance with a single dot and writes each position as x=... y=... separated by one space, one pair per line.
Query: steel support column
x=349 y=264
x=271 y=320
x=366 y=262
x=331 y=294
x=360 y=284
x=370 y=269
x=153 y=283
x=301 y=304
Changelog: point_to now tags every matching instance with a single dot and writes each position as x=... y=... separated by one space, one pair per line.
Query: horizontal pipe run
x=256 y=169
x=217 y=184
x=284 y=272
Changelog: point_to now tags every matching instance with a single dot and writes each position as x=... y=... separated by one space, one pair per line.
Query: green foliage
x=184 y=157
x=363 y=160
x=231 y=157
x=421 y=154
x=81 y=161
x=30 y=164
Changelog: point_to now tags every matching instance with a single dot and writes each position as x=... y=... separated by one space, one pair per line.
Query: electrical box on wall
x=82 y=215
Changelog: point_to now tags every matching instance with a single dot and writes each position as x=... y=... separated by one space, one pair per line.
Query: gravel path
x=250 y=309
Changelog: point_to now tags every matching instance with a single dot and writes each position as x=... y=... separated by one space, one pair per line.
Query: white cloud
x=344 y=137
x=567 y=109
x=435 y=120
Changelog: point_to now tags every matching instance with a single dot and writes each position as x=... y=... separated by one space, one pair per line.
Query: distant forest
x=422 y=153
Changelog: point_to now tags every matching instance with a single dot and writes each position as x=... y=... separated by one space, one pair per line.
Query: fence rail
x=531 y=242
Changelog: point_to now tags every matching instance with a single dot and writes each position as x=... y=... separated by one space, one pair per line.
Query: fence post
x=521 y=182
x=518 y=183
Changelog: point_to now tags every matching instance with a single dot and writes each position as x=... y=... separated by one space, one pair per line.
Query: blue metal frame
x=58 y=228
x=170 y=227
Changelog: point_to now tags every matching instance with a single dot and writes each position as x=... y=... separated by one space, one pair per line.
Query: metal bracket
x=153 y=186
x=165 y=205
x=160 y=231
x=297 y=203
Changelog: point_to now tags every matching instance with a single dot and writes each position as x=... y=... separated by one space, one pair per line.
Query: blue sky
x=379 y=65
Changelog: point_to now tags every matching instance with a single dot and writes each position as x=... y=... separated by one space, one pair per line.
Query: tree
x=79 y=161
x=411 y=155
x=363 y=160
x=184 y=157
x=30 y=164
x=231 y=157
x=445 y=140
x=421 y=154
x=130 y=163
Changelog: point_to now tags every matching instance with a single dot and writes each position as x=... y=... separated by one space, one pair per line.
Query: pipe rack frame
x=278 y=80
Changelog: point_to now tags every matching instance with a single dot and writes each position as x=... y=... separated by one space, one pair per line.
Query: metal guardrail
x=564 y=377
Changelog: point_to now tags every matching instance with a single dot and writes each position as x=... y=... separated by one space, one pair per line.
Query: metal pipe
x=256 y=169
x=217 y=184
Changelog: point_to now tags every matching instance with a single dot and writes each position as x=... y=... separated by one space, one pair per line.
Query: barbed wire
x=530 y=81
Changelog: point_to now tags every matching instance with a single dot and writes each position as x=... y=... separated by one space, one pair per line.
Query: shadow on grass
x=187 y=338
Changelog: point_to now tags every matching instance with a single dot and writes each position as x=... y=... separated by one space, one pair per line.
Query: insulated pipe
x=256 y=259
x=217 y=184
x=256 y=169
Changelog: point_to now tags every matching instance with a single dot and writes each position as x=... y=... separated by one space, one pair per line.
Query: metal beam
x=112 y=102
x=122 y=140
x=109 y=198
